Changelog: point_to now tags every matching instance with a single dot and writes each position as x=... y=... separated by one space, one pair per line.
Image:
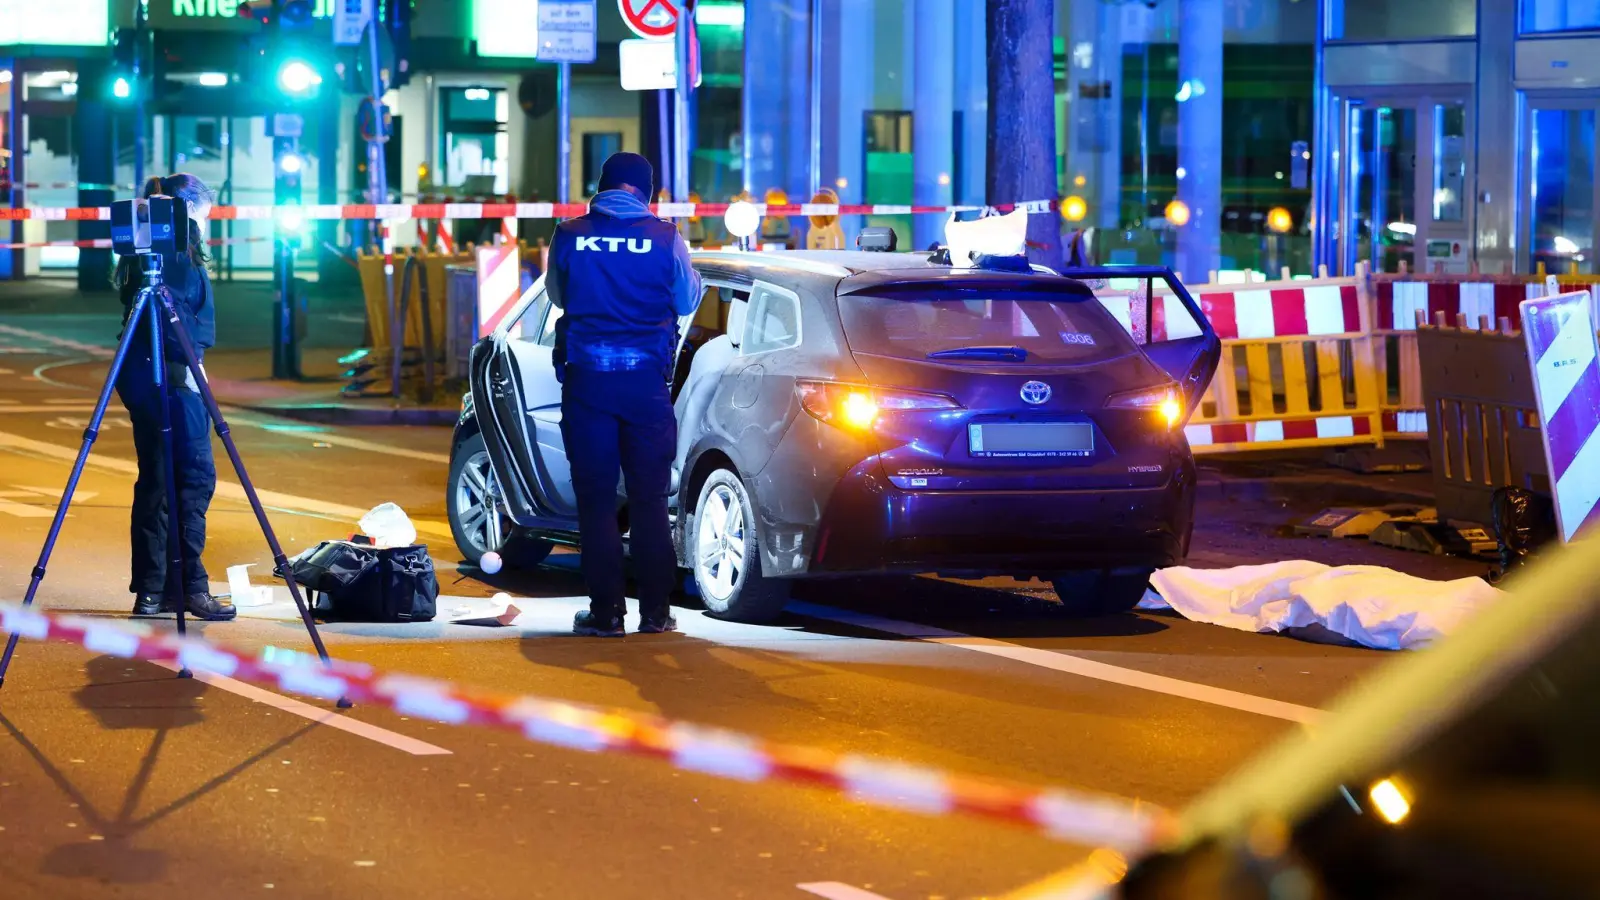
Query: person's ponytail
x=152 y=187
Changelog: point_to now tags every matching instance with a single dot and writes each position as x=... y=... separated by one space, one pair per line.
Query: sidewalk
x=240 y=365
x=1307 y=478
x=242 y=379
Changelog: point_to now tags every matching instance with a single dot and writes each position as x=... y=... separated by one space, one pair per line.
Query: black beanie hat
x=627 y=168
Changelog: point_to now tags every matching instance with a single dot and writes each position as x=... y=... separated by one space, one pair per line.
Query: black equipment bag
x=365 y=584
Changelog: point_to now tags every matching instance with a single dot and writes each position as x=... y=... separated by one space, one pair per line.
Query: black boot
x=207 y=608
x=657 y=624
x=152 y=605
x=588 y=624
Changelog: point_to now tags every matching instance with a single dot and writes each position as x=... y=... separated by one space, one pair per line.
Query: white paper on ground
x=244 y=593
x=1370 y=605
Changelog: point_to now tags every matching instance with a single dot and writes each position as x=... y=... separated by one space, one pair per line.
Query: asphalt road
x=118 y=780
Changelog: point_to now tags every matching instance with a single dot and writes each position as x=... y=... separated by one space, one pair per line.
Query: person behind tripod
x=185 y=278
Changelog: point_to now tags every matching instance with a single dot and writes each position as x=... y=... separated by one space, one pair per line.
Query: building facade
x=1211 y=135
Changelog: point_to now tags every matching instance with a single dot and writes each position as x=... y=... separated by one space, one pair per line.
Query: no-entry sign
x=650 y=19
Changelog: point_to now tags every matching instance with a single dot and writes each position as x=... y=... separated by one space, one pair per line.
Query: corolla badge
x=1035 y=392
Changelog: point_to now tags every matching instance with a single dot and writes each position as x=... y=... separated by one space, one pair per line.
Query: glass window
x=1560 y=15
x=984 y=327
x=476 y=147
x=547 y=333
x=1386 y=173
x=1449 y=161
x=774 y=322
x=1390 y=20
x=1562 y=230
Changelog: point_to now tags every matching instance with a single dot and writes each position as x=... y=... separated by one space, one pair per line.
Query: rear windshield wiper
x=990 y=354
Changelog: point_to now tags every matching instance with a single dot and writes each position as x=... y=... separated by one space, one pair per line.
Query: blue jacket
x=623 y=277
x=191 y=294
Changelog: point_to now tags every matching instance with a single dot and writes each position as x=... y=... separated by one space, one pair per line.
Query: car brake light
x=1163 y=400
x=856 y=406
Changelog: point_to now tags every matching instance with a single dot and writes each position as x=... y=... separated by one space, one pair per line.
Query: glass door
x=1403 y=182
x=1559 y=186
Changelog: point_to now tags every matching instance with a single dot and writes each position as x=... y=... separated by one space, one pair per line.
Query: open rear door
x=1166 y=323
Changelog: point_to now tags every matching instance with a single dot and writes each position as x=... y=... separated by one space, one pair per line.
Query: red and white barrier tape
x=1059 y=813
x=105 y=243
x=368 y=211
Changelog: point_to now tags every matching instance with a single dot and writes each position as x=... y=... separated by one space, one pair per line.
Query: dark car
x=853 y=413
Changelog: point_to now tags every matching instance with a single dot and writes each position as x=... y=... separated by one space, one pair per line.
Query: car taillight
x=856 y=406
x=1163 y=400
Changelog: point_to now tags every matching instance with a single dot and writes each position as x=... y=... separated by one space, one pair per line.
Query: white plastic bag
x=388 y=526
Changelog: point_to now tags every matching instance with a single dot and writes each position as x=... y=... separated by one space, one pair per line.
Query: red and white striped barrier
x=1068 y=815
x=403 y=211
x=1279 y=431
x=105 y=243
x=1562 y=352
x=499 y=285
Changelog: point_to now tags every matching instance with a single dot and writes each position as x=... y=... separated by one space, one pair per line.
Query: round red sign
x=654 y=19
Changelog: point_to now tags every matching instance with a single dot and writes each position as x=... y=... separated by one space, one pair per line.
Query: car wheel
x=477 y=521
x=724 y=546
x=1101 y=593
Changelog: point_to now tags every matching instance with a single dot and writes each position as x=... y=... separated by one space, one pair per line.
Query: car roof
x=861 y=270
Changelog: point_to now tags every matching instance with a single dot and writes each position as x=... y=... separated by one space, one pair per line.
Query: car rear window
x=1052 y=328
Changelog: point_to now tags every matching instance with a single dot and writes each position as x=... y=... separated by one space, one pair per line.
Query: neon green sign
x=226 y=9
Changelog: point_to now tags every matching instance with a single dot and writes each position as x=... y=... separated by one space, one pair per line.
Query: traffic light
x=121 y=83
x=297 y=78
x=288 y=166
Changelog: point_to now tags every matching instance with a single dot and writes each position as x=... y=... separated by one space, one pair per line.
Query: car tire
x=1101 y=593
x=471 y=483
x=723 y=546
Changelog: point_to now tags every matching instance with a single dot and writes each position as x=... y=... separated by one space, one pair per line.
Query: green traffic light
x=121 y=89
x=291 y=219
x=296 y=77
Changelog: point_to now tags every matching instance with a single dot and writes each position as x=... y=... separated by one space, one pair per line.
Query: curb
x=339 y=414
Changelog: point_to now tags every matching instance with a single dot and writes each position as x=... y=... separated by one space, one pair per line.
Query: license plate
x=1030 y=440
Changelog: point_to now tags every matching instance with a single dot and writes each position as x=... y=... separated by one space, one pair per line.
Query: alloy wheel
x=720 y=543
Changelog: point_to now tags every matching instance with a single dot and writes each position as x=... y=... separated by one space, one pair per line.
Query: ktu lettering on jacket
x=635 y=245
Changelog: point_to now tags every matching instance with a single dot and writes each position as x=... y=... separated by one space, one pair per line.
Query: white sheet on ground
x=1369 y=605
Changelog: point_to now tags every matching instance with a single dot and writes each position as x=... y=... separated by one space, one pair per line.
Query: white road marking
x=327 y=717
x=225 y=489
x=10 y=505
x=838 y=890
x=81 y=408
x=339 y=440
x=64 y=343
x=1066 y=662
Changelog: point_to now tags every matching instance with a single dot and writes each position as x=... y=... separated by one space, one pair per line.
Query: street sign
x=350 y=20
x=649 y=65
x=1565 y=359
x=567 y=31
x=287 y=125
x=653 y=20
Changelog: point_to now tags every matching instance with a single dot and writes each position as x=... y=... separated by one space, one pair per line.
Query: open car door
x=1166 y=323
x=517 y=388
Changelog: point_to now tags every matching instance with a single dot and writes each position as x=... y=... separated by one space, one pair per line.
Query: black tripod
x=143 y=310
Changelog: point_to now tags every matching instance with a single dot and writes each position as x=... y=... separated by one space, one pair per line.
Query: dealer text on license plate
x=1031 y=440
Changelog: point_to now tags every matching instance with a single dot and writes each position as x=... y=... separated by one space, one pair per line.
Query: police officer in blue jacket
x=623 y=278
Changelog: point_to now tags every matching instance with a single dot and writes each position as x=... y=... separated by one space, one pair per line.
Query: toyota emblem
x=1035 y=392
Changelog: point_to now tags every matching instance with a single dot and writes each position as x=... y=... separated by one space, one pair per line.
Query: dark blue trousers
x=622 y=423
x=196 y=476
